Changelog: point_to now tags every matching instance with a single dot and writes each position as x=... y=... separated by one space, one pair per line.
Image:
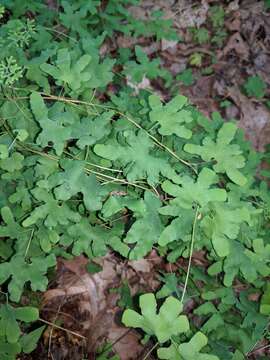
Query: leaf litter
x=89 y=306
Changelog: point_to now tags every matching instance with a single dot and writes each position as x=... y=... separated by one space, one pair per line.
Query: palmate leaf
x=47 y=238
x=35 y=74
x=214 y=323
x=260 y=256
x=143 y=67
x=89 y=131
x=19 y=272
x=53 y=132
x=170 y=286
x=93 y=240
x=146 y=229
x=67 y=73
x=115 y=203
x=215 y=317
x=76 y=15
x=200 y=192
x=13 y=115
x=12 y=163
x=12 y=229
x=227 y=156
x=234 y=336
x=171 y=116
x=252 y=316
x=224 y=325
x=73 y=180
x=179 y=228
x=246 y=262
x=11 y=339
x=136 y=159
x=187 y=351
x=163 y=325
x=21 y=196
x=223 y=223
x=9 y=317
x=72 y=18
x=44 y=167
x=51 y=212
x=14 y=233
x=101 y=71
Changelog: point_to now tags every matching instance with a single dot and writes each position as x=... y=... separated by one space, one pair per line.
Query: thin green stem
x=92 y=164
x=190 y=253
x=60 y=33
x=171 y=152
x=86 y=153
x=29 y=243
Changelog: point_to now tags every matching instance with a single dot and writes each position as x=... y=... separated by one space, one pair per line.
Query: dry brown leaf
x=255 y=118
x=126 y=41
x=126 y=343
x=234 y=23
x=201 y=95
x=186 y=15
x=169 y=44
x=237 y=44
x=89 y=297
x=233 y=6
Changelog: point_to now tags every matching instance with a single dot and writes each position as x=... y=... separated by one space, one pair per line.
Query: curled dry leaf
x=89 y=299
x=201 y=95
x=255 y=118
x=238 y=45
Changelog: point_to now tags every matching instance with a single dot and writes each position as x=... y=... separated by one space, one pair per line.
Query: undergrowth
x=74 y=155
